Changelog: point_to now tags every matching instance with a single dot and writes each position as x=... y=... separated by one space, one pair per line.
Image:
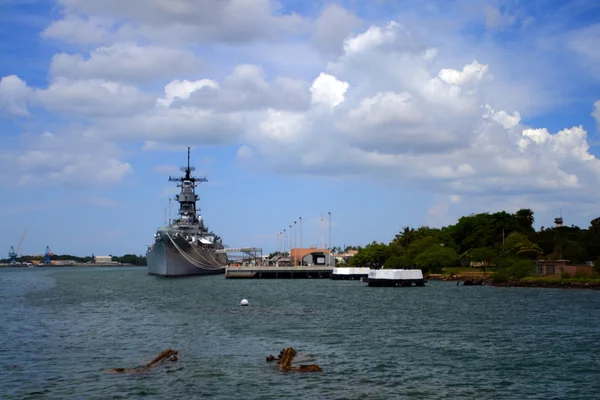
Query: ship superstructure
x=186 y=246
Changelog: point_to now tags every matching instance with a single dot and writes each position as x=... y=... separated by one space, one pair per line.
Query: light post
x=283 y=242
x=329 y=235
x=295 y=242
x=277 y=242
x=300 y=218
x=290 y=241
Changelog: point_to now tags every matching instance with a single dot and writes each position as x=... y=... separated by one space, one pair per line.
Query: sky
x=383 y=113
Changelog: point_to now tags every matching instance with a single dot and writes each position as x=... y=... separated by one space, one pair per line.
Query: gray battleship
x=185 y=246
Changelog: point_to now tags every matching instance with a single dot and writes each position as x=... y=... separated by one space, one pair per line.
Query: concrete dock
x=291 y=272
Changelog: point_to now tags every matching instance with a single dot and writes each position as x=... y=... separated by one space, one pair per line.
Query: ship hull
x=164 y=259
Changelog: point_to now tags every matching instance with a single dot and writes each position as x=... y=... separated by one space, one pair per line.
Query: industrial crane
x=13 y=254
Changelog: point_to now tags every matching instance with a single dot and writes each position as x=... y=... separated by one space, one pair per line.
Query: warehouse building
x=102 y=259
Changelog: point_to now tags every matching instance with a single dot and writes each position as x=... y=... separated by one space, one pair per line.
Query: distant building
x=312 y=256
x=63 y=262
x=559 y=267
x=102 y=259
x=346 y=256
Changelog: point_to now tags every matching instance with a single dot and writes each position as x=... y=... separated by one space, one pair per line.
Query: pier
x=291 y=272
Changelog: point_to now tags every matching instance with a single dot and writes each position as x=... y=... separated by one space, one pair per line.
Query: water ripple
x=62 y=328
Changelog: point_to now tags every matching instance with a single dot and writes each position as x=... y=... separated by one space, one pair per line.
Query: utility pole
x=329 y=236
x=322 y=245
x=300 y=218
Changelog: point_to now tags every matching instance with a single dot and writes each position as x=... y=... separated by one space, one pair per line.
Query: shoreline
x=69 y=265
x=549 y=284
x=530 y=282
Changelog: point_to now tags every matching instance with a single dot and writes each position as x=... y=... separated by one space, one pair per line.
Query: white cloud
x=174 y=21
x=280 y=126
x=388 y=106
x=92 y=98
x=14 y=95
x=471 y=73
x=74 y=159
x=183 y=90
x=160 y=127
x=503 y=118
x=79 y=30
x=331 y=28
x=245 y=89
x=125 y=62
x=373 y=37
x=328 y=90
x=401 y=120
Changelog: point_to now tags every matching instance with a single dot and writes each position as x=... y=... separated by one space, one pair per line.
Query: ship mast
x=187 y=197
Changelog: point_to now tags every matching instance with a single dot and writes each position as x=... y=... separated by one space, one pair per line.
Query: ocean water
x=61 y=328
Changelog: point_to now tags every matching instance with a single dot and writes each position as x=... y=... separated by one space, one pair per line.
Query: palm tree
x=405 y=237
x=525 y=218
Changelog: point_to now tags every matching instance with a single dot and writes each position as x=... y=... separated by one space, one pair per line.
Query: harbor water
x=61 y=328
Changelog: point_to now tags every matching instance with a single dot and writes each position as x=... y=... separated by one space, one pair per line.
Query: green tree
x=572 y=250
x=405 y=237
x=484 y=255
x=372 y=255
x=512 y=269
x=525 y=219
x=519 y=245
x=418 y=246
x=436 y=257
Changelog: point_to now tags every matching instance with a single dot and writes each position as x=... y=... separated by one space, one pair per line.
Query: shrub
x=500 y=276
x=580 y=275
x=512 y=270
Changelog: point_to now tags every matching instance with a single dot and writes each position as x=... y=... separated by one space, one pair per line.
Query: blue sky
x=384 y=113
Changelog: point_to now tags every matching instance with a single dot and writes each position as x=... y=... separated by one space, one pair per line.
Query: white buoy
x=244 y=302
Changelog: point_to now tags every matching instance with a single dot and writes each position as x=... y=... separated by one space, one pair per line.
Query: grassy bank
x=509 y=278
x=553 y=282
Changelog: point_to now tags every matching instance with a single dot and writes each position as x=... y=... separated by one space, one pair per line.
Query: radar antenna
x=188 y=174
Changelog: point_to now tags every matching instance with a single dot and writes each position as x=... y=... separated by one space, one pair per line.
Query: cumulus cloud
x=402 y=120
x=328 y=90
x=183 y=89
x=91 y=98
x=232 y=21
x=245 y=89
x=125 y=62
x=331 y=28
x=470 y=73
x=14 y=95
x=387 y=105
x=160 y=127
x=79 y=30
x=74 y=159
